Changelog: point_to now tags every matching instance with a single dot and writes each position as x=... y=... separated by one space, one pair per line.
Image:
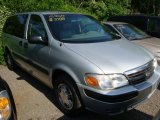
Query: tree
x=150 y=7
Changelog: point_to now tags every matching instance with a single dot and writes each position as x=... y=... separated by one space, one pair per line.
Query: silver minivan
x=87 y=65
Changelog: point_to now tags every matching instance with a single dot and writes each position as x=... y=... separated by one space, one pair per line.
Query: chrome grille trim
x=140 y=74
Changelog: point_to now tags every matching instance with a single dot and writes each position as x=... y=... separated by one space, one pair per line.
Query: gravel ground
x=34 y=101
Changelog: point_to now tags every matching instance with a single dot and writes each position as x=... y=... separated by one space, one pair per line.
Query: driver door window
x=36 y=27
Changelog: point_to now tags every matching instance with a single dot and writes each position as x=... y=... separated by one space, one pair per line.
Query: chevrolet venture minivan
x=87 y=65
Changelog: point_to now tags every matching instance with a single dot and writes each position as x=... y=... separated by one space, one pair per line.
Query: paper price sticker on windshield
x=57 y=18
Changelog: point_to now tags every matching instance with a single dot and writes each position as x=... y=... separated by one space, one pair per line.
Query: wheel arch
x=64 y=70
x=73 y=80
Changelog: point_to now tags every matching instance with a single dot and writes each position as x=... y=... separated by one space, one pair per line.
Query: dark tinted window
x=36 y=27
x=15 y=25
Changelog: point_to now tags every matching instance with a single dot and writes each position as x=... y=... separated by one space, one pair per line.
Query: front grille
x=140 y=74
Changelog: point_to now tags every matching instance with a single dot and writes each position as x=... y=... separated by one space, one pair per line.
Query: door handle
x=25 y=45
x=20 y=43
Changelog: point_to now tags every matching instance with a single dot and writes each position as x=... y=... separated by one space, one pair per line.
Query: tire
x=67 y=96
x=9 y=60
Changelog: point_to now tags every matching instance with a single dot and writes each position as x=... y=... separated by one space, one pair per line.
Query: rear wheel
x=66 y=96
x=9 y=60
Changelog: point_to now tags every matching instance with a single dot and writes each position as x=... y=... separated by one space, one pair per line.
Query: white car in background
x=135 y=35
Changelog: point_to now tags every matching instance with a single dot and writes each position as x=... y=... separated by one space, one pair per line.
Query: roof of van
x=47 y=12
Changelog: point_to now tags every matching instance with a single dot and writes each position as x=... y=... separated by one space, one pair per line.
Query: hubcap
x=65 y=96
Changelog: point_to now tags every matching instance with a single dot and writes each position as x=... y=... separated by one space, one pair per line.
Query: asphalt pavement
x=34 y=101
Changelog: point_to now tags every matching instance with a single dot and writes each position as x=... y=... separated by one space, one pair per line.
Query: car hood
x=153 y=44
x=115 y=56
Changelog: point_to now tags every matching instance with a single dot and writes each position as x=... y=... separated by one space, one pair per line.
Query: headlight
x=5 y=107
x=155 y=62
x=106 y=82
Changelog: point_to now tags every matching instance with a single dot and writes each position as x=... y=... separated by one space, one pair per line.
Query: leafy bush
x=106 y=8
x=4 y=13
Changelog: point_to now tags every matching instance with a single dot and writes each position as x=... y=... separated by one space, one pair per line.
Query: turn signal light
x=91 y=81
x=3 y=103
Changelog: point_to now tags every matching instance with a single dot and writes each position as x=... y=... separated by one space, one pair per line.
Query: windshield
x=77 y=28
x=131 y=32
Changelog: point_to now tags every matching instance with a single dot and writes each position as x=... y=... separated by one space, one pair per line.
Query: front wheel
x=66 y=96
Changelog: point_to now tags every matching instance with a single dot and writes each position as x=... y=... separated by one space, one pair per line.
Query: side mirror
x=37 y=40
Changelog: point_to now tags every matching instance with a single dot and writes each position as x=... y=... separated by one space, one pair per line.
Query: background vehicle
x=7 y=105
x=87 y=65
x=149 y=24
x=135 y=35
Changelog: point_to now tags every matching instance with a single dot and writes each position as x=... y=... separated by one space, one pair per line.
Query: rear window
x=15 y=25
x=138 y=21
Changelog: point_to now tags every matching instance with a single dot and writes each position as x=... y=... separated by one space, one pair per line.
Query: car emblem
x=148 y=73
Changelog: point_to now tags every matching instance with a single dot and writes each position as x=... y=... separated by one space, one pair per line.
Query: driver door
x=37 y=54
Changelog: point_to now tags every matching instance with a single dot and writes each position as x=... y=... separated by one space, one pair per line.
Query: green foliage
x=4 y=13
x=150 y=7
x=102 y=9
x=115 y=8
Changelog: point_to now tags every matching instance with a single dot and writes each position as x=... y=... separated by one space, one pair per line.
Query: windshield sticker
x=56 y=18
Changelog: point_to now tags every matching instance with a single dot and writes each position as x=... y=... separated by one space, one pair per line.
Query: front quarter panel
x=67 y=60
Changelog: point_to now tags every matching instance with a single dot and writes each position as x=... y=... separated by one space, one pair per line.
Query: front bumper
x=119 y=100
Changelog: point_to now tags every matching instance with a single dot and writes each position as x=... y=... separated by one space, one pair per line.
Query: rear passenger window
x=15 y=25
